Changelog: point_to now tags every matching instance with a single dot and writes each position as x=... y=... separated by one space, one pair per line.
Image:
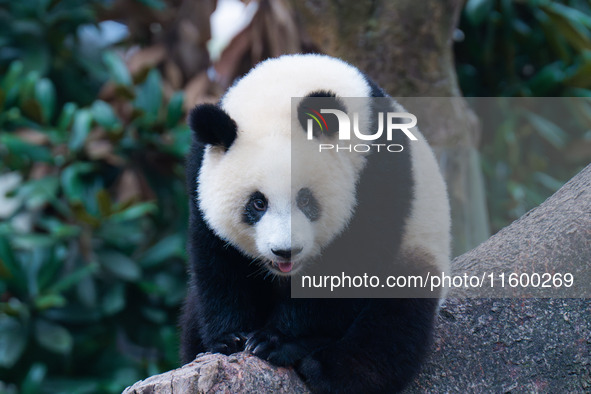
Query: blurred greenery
x=528 y=48
x=93 y=225
x=44 y=36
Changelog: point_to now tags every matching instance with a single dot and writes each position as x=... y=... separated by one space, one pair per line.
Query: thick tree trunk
x=481 y=345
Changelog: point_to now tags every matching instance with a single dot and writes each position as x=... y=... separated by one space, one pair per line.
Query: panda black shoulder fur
x=240 y=238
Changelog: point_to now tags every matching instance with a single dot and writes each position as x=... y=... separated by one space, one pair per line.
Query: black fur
x=212 y=125
x=336 y=345
x=251 y=214
x=308 y=204
x=312 y=104
x=225 y=299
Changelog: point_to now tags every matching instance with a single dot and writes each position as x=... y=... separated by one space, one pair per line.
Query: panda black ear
x=212 y=125
x=310 y=109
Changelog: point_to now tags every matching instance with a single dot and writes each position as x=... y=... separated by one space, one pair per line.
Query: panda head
x=261 y=186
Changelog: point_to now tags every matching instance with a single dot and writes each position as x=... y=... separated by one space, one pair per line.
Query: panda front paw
x=229 y=343
x=275 y=347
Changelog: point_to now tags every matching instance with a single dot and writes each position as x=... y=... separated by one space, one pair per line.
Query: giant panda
x=253 y=227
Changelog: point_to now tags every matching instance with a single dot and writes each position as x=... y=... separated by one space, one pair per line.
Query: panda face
x=261 y=188
x=278 y=211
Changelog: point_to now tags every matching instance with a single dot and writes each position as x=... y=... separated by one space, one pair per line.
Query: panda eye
x=304 y=201
x=255 y=207
x=259 y=204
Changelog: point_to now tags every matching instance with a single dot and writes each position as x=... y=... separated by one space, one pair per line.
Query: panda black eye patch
x=255 y=208
x=308 y=204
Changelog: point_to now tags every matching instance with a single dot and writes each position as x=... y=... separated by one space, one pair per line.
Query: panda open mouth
x=283 y=266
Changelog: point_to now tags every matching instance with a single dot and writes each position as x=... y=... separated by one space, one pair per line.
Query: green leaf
x=63 y=230
x=48 y=272
x=32 y=241
x=181 y=141
x=87 y=292
x=12 y=75
x=569 y=13
x=571 y=29
x=39 y=192
x=12 y=267
x=119 y=265
x=80 y=129
x=49 y=301
x=73 y=278
x=104 y=115
x=114 y=300
x=117 y=68
x=27 y=87
x=65 y=119
x=165 y=249
x=135 y=212
x=53 y=337
x=548 y=79
x=157 y=316
x=18 y=147
x=174 y=112
x=149 y=96
x=12 y=341
x=71 y=180
x=477 y=10
x=45 y=96
x=34 y=380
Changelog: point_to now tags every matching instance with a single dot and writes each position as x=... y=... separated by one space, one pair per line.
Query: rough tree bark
x=481 y=345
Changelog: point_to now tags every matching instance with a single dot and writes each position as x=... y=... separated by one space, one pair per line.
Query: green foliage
x=92 y=238
x=44 y=36
x=528 y=48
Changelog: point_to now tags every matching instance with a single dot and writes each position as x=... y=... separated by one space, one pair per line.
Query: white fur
x=260 y=159
x=428 y=226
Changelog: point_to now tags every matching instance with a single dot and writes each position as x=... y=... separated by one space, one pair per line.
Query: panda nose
x=286 y=253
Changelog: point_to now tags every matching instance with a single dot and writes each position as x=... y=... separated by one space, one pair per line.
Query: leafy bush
x=528 y=48
x=43 y=35
x=92 y=248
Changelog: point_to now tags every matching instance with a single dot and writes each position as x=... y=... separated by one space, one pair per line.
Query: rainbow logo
x=316 y=118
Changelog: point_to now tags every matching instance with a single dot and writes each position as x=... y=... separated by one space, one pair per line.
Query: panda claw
x=229 y=343
x=258 y=350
